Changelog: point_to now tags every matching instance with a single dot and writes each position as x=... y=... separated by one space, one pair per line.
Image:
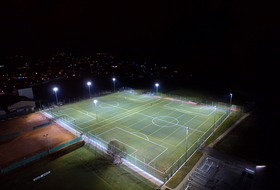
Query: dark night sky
x=205 y=36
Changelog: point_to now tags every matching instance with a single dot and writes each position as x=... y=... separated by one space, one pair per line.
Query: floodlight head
x=55 y=89
x=114 y=79
x=88 y=83
x=157 y=84
x=95 y=101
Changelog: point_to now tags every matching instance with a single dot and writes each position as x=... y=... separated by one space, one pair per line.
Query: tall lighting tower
x=55 y=91
x=89 y=83
x=114 y=83
x=157 y=88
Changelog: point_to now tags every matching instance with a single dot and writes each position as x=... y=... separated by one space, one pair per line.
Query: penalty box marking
x=186 y=105
x=199 y=108
x=135 y=150
x=187 y=111
x=131 y=133
x=81 y=112
x=107 y=105
x=65 y=110
x=139 y=98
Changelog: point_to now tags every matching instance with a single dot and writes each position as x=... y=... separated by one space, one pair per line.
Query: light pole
x=187 y=133
x=215 y=118
x=157 y=87
x=95 y=102
x=46 y=136
x=230 y=101
x=114 y=83
x=89 y=83
x=55 y=89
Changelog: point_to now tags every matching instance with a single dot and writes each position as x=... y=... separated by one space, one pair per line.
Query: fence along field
x=155 y=133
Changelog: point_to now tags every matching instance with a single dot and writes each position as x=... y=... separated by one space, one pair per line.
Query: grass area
x=184 y=170
x=224 y=126
x=154 y=130
x=79 y=169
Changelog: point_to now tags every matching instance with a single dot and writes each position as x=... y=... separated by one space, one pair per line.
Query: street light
x=114 y=83
x=230 y=100
x=46 y=136
x=55 y=89
x=95 y=102
x=215 y=118
x=157 y=87
x=89 y=83
x=187 y=133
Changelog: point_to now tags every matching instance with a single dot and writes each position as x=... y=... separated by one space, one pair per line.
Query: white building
x=21 y=100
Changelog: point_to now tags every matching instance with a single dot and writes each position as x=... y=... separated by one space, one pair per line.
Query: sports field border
x=146 y=139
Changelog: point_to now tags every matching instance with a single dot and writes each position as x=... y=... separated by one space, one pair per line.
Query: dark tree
x=116 y=151
x=113 y=148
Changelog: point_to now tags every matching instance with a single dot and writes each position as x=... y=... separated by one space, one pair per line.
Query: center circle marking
x=165 y=121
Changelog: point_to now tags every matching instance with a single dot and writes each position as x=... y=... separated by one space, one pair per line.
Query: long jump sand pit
x=30 y=141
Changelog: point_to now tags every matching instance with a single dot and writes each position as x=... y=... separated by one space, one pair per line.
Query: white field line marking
x=82 y=112
x=157 y=156
x=84 y=123
x=105 y=131
x=170 y=122
x=190 y=107
x=70 y=117
x=165 y=148
x=124 y=113
x=130 y=97
x=63 y=110
x=151 y=142
x=142 y=138
x=77 y=125
x=194 y=113
x=112 y=105
x=135 y=150
x=131 y=166
x=135 y=133
x=186 y=111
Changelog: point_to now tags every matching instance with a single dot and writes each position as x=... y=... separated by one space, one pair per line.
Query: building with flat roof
x=18 y=101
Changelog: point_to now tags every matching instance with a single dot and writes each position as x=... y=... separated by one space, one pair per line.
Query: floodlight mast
x=230 y=101
x=187 y=134
x=55 y=89
x=215 y=118
x=114 y=83
x=89 y=83
x=157 y=87
x=95 y=102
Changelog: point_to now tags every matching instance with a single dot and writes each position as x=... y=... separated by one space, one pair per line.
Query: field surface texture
x=153 y=132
